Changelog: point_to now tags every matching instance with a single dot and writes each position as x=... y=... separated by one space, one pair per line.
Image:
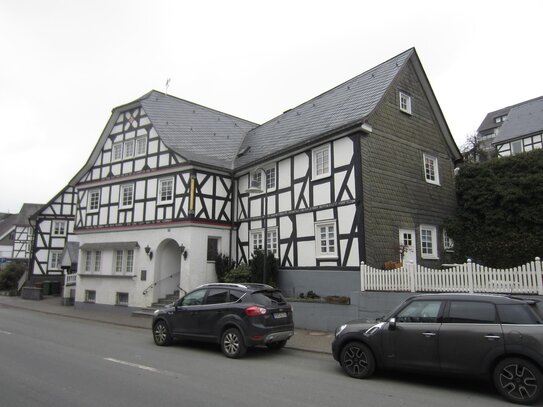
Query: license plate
x=278 y=315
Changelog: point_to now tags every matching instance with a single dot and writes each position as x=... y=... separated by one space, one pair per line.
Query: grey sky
x=65 y=64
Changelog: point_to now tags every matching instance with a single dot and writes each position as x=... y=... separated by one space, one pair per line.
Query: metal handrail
x=158 y=281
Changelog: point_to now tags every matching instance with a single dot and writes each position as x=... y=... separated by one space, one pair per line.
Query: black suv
x=235 y=315
x=495 y=336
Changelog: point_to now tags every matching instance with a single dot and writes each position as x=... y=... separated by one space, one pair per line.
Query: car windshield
x=267 y=297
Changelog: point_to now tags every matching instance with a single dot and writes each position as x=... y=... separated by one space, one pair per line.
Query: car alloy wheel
x=518 y=380
x=357 y=360
x=161 y=334
x=232 y=343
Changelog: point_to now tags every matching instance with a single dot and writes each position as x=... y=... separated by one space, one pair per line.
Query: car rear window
x=269 y=297
x=518 y=314
x=471 y=312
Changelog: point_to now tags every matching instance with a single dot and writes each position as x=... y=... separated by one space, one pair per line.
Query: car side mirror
x=392 y=324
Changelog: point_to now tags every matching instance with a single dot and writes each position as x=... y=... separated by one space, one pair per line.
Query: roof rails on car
x=223 y=285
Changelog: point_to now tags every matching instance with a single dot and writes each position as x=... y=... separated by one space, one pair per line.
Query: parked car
x=236 y=316
x=493 y=336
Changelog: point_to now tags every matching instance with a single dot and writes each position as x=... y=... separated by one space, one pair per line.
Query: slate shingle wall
x=396 y=194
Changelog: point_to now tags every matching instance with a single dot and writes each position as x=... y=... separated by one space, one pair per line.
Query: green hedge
x=499 y=216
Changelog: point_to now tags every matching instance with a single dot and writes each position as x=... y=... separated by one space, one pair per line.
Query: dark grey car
x=494 y=336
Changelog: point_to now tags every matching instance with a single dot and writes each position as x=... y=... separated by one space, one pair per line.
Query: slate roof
x=197 y=133
x=523 y=119
x=350 y=102
x=489 y=123
x=8 y=221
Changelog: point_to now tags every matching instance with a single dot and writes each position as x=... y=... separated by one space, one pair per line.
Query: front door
x=408 y=244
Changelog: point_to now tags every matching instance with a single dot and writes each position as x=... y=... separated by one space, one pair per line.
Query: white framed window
x=405 y=102
x=326 y=239
x=88 y=261
x=448 y=243
x=93 y=200
x=117 y=153
x=321 y=162
x=55 y=258
x=90 y=296
x=431 y=169
x=59 y=228
x=257 y=240
x=97 y=261
x=127 y=196
x=516 y=147
x=141 y=146
x=124 y=261
x=271 y=179
x=121 y=299
x=129 y=148
x=119 y=261
x=165 y=191
x=428 y=242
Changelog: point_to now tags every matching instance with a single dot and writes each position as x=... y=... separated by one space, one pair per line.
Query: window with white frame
x=129 y=149
x=431 y=169
x=93 y=200
x=97 y=261
x=117 y=151
x=124 y=261
x=448 y=243
x=325 y=239
x=127 y=196
x=428 y=242
x=121 y=299
x=271 y=178
x=321 y=162
x=59 y=228
x=55 y=258
x=405 y=102
x=257 y=240
x=141 y=146
x=165 y=190
x=90 y=296
x=88 y=261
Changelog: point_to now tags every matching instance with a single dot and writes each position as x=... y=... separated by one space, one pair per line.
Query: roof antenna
x=167 y=86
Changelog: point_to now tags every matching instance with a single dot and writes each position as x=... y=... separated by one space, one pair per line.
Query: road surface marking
x=5 y=332
x=122 y=362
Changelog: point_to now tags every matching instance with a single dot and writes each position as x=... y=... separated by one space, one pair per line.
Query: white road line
x=148 y=368
x=5 y=332
x=122 y=362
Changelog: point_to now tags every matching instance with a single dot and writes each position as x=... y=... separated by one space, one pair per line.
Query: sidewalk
x=314 y=341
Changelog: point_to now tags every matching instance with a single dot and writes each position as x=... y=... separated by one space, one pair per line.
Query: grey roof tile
x=196 y=132
x=523 y=119
x=345 y=104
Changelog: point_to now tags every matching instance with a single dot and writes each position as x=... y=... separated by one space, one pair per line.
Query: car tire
x=357 y=360
x=232 y=344
x=518 y=380
x=161 y=334
x=276 y=345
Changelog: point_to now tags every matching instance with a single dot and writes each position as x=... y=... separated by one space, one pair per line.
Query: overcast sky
x=65 y=64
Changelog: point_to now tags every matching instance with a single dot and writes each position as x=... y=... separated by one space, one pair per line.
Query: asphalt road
x=47 y=360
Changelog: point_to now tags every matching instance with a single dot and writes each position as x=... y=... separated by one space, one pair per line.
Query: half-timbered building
x=363 y=172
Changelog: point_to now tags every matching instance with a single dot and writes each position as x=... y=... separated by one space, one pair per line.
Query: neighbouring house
x=53 y=225
x=513 y=129
x=16 y=234
x=362 y=172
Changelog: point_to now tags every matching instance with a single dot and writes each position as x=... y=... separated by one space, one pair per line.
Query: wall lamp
x=184 y=251
x=149 y=252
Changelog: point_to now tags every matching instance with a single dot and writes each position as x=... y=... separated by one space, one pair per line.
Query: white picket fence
x=468 y=277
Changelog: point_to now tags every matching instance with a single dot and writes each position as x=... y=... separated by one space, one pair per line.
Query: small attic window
x=500 y=119
x=244 y=151
x=405 y=103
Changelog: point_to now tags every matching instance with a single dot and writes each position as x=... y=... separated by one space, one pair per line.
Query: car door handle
x=492 y=337
x=429 y=334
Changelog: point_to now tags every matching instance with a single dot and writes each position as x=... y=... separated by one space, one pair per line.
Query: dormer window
x=500 y=119
x=405 y=103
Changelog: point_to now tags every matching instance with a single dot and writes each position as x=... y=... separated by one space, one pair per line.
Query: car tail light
x=255 y=311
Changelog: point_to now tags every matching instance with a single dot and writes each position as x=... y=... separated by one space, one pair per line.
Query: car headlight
x=340 y=329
